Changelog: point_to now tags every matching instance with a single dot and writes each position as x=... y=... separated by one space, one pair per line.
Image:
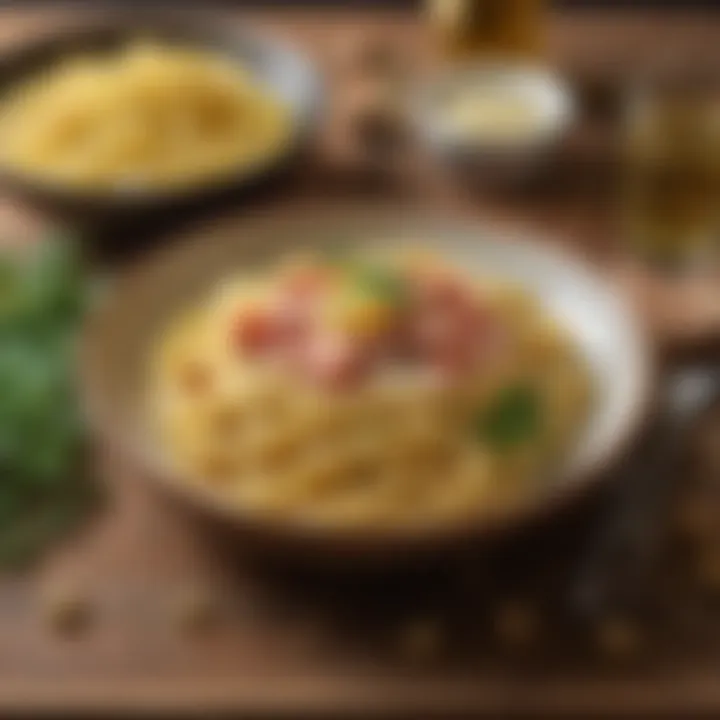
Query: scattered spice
x=708 y=448
x=708 y=570
x=376 y=120
x=67 y=610
x=196 y=611
x=696 y=518
x=516 y=624
x=421 y=639
x=618 y=637
x=370 y=54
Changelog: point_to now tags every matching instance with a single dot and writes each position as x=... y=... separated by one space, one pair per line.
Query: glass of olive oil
x=671 y=178
x=488 y=28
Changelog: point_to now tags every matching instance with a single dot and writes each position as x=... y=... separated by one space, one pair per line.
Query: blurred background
x=589 y=130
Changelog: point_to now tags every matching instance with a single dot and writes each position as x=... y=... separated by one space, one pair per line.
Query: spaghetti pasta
x=453 y=406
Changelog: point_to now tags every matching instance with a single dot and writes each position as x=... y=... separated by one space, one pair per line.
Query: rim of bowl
x=203 y=28
x=368 y=539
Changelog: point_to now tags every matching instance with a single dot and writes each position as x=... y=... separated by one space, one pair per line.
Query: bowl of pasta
x=124 y=111
x=402 y=385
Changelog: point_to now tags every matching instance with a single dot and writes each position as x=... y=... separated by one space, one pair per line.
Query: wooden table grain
x=296 y=646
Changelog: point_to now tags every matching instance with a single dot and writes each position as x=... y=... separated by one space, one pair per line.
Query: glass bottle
x=495 y=29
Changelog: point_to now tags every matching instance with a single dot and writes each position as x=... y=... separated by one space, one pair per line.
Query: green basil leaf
x=513 y=418
x=381 y=283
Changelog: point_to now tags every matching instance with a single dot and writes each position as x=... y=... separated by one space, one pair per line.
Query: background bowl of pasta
x=519 y=414
x=126 y=112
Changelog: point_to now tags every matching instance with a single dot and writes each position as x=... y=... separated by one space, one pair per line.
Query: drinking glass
x=671 y=171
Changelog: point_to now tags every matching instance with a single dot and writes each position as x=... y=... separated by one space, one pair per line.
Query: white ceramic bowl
x=495 y=156
x=602 y=325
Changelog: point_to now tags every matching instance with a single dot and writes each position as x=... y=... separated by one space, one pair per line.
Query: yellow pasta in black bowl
x=149 y=117
x=127 y=112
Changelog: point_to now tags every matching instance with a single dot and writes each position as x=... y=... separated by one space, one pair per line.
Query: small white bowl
x=496 y=155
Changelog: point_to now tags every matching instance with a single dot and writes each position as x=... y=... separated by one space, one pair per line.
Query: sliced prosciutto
x=335 y=323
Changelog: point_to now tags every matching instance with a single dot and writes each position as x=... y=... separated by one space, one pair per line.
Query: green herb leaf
x=43 y=293
x=513 y=418
x=381 y=283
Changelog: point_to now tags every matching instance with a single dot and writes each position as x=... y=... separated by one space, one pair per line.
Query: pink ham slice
x=254 y=332
x=335 y=360
x=444 y=327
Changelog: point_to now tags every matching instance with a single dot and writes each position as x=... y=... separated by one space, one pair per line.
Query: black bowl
x=286 y=73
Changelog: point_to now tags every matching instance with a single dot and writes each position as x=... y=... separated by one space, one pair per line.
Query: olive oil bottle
x=467 y=29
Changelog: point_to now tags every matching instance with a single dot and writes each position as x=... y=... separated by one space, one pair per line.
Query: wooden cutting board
x=176 y=622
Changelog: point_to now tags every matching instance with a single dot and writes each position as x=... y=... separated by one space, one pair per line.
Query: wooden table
x=289 y=646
